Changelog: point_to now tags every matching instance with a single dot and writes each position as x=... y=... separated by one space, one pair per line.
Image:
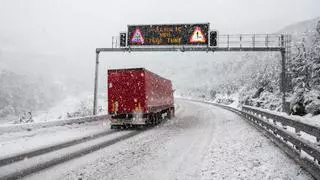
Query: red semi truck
x=138 y=97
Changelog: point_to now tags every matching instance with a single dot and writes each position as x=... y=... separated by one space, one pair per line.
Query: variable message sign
x=170 y=34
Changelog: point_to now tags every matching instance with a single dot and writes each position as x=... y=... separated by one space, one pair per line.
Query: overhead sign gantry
x=195 y=37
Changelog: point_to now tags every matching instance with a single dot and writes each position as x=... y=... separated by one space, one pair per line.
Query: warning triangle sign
x=137 y=37
x=197 y=36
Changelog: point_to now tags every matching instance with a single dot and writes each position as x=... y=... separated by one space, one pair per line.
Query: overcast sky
x=63 y=27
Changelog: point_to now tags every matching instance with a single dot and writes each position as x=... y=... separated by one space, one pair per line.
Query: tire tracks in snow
x=147 y=156
x=14 y=168
x=40 y=151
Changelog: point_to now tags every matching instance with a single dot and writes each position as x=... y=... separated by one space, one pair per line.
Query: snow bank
x=308 y=119
x=37 y=125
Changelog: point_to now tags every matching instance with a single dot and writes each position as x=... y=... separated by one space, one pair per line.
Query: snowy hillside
x=20 y=93
x=255 y=76
x=303 y=70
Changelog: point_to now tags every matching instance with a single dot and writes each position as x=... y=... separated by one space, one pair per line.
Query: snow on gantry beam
x=184 y=49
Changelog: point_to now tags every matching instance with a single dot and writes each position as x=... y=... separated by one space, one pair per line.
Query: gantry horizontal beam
x=184 y=49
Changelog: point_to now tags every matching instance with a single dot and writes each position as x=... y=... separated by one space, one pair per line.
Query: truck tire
x=117 y=127
x=151 y=120
x=114 y=127
x=159 y=118
x=169 y=113
x=154 y=120
x=173 y=112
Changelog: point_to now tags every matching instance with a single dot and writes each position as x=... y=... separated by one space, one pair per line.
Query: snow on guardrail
x=287 y=122
x=38 y=125
x=313 y=121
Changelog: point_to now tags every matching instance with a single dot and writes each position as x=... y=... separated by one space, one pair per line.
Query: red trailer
x=138 y=97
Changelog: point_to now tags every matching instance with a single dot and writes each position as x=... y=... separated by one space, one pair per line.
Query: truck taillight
x=138 y=108
x=115 y=106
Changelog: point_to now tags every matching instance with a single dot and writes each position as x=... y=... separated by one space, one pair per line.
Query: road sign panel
x=197 y=36
x=170 y=34
x=137 y=37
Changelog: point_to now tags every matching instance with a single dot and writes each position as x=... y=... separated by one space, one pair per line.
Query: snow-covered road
x=202 y=142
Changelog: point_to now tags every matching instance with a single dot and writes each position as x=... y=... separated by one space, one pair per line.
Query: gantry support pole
x=283 y=80
x=96 y=80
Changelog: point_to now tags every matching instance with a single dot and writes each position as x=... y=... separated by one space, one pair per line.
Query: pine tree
x=306 y=75
x=300 y=80
x=315 y=53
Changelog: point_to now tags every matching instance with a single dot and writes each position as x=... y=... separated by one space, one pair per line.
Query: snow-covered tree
x=305 y=68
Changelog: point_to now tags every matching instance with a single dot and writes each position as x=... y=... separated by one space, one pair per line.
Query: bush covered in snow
x=85 y=108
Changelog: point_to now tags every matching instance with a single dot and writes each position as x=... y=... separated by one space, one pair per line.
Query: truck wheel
x=159 y=119
x=118 y=127
x=155 y=119
x=173 y=112
x=151 y=119
x=169 y=114
x=140 y=127
x=114 y=127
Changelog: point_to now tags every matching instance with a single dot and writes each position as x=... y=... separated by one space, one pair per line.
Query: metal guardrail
x=28 y=127
x=284 y=121
x=302 y=150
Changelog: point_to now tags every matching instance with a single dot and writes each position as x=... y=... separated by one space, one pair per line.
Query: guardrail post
x=298 y=148
x=298 y=131
x=275 y=132
x=228 y=41
x=284 y=126
x=284 y=139
x=254 y=41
